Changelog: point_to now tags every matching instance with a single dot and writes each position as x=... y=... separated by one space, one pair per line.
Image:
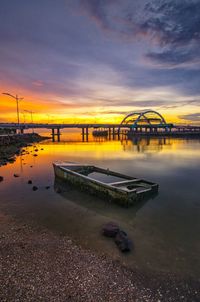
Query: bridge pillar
x=113 y=130
x=58 y=134
x=83 y=132
x=87 y=132
x=109 y=133
x=53 y=134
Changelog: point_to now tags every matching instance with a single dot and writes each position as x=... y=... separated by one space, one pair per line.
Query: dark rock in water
x=29 y=182
x=36 y=150
x=41 y=149
x=11 y=160
x=1 y=178
x=35 y=155
x=35 y=188
x=110 y=229
x=58 y=190
x=123 y=242
x=31 y=166
x=47 y=187
x=16 y=175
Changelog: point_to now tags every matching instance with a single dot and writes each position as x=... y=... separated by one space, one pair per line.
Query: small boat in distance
x=112 y=186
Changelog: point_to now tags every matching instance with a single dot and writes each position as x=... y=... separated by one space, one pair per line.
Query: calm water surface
x=165 y=230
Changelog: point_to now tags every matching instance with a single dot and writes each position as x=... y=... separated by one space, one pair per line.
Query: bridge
x=146 y=122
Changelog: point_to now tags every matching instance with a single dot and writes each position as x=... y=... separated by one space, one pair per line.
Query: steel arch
x=142 y=116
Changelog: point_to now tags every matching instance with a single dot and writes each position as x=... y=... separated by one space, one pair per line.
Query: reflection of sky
x=162 y=229
x=98 y=59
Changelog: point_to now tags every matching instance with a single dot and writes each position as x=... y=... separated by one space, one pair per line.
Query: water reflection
x=165 y=229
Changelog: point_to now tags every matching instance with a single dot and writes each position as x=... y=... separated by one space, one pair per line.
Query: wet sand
x=39 y=265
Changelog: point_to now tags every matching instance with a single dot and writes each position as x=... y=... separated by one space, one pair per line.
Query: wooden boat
x=113 y=186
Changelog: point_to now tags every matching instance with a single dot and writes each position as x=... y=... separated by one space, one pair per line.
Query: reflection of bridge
x=143 y=123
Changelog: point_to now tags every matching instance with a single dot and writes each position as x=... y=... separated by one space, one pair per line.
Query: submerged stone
x=58 y=190
x=35 y=188
x=1 y=178
x=29 y=182
x=110 y=229
x=123 y=242
x=16 y=175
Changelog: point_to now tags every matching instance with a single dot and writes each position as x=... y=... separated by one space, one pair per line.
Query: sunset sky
x=97 y=60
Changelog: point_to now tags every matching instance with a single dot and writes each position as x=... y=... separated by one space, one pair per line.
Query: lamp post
x=31 y=113
x=17 y=99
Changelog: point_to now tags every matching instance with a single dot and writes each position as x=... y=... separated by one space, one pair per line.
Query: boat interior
x=113 y=179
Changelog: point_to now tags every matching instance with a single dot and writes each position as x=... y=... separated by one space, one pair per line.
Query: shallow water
x=165 y=229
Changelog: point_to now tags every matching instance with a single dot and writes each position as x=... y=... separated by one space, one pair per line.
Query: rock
x=35 y=155
x=29 y=182
x=41 y=149
x=1 y=178
x=36 y=150
x=35 y=188
x=123 y=242
x=31 y=166
x=47 y=187
x=58 y=190
x=16 y=175
x=110 y=229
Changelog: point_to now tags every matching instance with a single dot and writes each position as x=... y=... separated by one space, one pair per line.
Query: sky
x=97 y=60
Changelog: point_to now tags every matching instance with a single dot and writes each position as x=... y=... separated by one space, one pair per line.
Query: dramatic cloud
x=174 y=22
x=104 y=55
x=194 y=117
x=176 y=27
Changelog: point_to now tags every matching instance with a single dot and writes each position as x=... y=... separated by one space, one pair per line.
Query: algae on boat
x=122 y=189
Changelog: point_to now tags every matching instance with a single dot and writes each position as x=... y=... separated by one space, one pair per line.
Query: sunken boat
x=112 y=186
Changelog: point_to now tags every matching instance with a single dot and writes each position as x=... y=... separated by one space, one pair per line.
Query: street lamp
x=31 y=113
x=24 y=117
x=17 y=99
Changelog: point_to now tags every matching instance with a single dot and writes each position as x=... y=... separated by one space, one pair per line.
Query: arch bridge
x=150 y=120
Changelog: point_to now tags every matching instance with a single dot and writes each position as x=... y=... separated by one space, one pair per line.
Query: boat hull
x=109 y=192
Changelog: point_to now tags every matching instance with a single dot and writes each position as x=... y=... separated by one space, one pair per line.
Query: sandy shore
x=37 y=265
